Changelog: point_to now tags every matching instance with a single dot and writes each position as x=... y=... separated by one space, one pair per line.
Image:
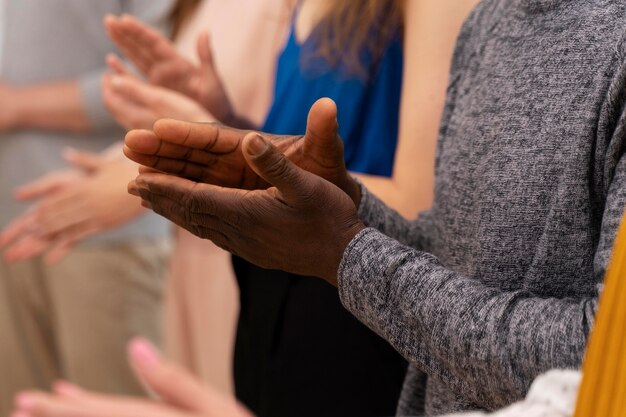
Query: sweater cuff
x=361 y=261
x=365 y=276
x=370 y=207
x=91 y=94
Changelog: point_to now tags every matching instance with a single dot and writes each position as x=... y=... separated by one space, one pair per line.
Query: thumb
x=116 y=65
x=322 y=141
x=205 y=52
x=273 y=166
x=85 y=161
x=171 y=383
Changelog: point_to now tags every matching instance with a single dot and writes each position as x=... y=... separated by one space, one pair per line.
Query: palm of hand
x=212 y=153
x=301 y=224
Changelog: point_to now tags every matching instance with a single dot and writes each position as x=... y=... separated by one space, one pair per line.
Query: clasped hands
x=281 y=202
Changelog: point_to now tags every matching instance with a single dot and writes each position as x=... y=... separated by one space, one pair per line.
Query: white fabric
x=551 y=395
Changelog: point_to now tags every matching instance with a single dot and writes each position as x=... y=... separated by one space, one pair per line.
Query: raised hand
x=181 y=395
x=157 y=58
x=301 y=224
x=212 y=153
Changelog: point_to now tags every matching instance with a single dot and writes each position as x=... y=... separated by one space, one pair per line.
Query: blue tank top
x=368 y=108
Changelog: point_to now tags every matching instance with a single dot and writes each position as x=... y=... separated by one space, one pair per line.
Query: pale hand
x=157 y=58
x=136 y=104
x=181 y=395
x=71 y=206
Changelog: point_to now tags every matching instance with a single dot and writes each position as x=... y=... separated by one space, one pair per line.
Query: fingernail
x=143 y=353
x=20 y=414
x=256 y=145
x=24 y=402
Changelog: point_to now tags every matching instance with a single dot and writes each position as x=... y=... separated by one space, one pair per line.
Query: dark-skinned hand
x=212 y=153
x=301 y=224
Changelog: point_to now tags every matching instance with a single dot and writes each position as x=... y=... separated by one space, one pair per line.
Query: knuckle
x=278 y=167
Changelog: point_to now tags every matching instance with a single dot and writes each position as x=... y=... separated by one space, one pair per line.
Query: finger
x=18 y=227
x=29 y=246
x=174 y=385
x=209 y=137
x=132 y=88
x=57 y=253
x=66 y=242
x=126 y=112
x=172 y=197
x=40 y=187
x=147 y=170
x=61 y=214
x=187 y=203
x=205 y=52
x=129 y=47
x=272 y=165
x=151 y=40
x=208 y=216
x=86 y=404
x=39 y=404
x=83 y=160
x=117 y=66
x=145 y=148
x=322 y=142
x=179 y=167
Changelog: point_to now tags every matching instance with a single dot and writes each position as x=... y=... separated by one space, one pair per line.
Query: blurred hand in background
x=158 y=60
x=72 y=205
x=180 y=394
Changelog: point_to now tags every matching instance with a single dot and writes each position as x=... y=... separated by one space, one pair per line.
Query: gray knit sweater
x=498 y=283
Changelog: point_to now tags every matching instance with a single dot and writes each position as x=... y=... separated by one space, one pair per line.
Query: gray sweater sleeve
x=152 y=12
x=487 y=343
x=375 y=214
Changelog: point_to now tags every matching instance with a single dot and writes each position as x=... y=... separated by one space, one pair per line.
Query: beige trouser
x=201 y=310
x=73 y=320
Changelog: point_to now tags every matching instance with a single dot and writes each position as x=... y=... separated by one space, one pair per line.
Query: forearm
x=487 y=344
x=54 y=106
x=375 y=213
x=430 y=35
x=408 y=198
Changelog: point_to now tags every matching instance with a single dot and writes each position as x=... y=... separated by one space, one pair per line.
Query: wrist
x=14 y=112
x=343 y=242
x=352 y=187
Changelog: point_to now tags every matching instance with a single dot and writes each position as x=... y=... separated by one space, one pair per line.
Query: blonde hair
x=180 y=13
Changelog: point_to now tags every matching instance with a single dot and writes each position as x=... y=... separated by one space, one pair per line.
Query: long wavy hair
x=353 y=26
x=180 y=14
x=348 y=29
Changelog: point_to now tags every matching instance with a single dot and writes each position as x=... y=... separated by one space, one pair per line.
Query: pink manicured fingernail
x=24 y=402
x=143 y=352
